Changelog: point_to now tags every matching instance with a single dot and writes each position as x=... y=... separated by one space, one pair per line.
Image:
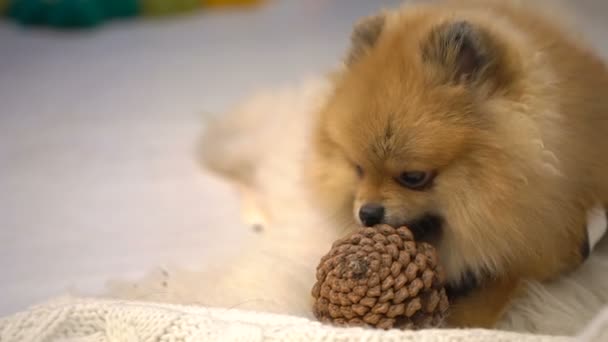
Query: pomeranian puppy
x=481 y=125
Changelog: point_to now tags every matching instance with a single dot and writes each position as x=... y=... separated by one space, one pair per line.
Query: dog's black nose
x=371 y=214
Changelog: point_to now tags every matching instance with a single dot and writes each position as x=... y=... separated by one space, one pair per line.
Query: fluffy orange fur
x=516 y=140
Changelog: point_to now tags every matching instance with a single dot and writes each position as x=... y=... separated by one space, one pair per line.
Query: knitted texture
x=88 y=320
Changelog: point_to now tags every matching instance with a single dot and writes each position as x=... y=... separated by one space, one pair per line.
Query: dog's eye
x=416 y=180
x=359 y=171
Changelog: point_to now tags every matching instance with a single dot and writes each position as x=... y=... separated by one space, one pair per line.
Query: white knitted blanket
x=88 y=320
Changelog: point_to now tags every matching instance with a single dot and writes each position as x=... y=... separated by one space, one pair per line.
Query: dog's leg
x=483 y=307
x=597 y=225
x=253 y=211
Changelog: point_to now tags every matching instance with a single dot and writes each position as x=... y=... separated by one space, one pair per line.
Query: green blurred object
x=3 y=6
x=70 y=13
x=75 y=13
x=164 y=7
x=120 y=8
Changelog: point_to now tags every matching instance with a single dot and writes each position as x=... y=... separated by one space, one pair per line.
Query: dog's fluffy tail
x=235 y=143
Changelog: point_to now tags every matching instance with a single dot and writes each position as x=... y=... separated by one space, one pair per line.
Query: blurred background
x=101 y=105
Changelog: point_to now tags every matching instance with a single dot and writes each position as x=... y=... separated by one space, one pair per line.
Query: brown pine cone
x=380 y=277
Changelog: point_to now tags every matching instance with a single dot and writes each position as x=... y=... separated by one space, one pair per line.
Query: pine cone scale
x=380 y=277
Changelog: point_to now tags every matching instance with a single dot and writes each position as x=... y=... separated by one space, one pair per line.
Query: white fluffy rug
x=260 y=146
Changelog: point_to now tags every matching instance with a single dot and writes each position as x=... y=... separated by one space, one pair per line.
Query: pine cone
x=380 y=277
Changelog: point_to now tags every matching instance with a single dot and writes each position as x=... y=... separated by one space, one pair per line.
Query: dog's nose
x=371 y=214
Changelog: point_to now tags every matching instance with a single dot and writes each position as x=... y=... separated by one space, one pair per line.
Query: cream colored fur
x=276 y=271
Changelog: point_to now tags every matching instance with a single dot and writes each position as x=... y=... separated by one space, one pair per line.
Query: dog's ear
x=461 y=50
x=364 y=36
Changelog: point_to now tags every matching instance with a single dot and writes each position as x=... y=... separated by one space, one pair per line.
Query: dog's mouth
x=427 y=228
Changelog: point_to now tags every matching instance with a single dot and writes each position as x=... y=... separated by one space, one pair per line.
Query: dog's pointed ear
x=460 y=49
x=364 y=36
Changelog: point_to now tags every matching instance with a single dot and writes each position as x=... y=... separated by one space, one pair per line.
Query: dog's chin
x=426 y=228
